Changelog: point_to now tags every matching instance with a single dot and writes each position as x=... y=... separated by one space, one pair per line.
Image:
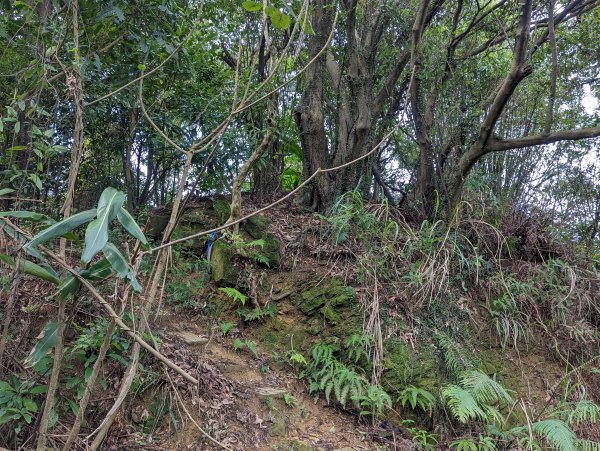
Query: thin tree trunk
x=76 y=87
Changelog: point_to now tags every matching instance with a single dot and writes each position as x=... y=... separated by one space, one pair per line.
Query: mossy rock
x=224 y=272
x=256 y=229
x=256 y=226
x=157 y=222
x=271 y=250
x=325 y=297
x=332 y=309
x=222 y=210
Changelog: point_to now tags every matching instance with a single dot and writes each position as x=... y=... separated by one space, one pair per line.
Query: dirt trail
x=241 y=401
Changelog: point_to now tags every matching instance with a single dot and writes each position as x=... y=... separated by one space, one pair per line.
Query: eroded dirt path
x=247 y=403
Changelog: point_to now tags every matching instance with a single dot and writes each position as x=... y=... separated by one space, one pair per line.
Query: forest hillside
x=300 y=225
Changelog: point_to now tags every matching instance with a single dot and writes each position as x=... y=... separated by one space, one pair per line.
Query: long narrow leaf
x=120 y=264
x=46 y=341
x=98 y=271
x=30 y=215
x=62 y=227
x=32 y=269
x=96 y=234
x=117 y=260
x=69 y=287
x=129 y=224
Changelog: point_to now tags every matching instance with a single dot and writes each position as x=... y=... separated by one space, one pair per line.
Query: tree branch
x=499 y=145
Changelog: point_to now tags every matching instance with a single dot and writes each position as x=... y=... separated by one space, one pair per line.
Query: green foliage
x=555 y=433
x=32 y=269
x=96 y=240
x=331 y=376
x=349 y=213
x=234 y=295
x=374 y=401
x=290 y=400
x=46 y=342
x=356 y=347
x=17 y=402
x=249 y=344
x=417 y=397
x=476 y=398
x=295 y=357
x=456 y=358
x=257 y=313
x=469 y=444
x=226 y=327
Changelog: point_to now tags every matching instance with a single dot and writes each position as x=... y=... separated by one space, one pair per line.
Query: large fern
x=555 y=433
x=476 y=398
x=584 y=411
x=463 y=405
x=337 y=379
x=484 y=389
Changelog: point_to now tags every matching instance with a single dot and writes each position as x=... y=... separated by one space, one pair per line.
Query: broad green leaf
x=69 y=286
x=36 y=180
x=252 y=6
x=32 y=216
x=31 y=268
x=39 y=389
x=62 y=227
x=98 y=271
x=279 y=19
x=5 y=191
x=30 y=405
x=120 y=264
x=117 y=260
x=96 y=234
x=131 y=226
x=46 y=341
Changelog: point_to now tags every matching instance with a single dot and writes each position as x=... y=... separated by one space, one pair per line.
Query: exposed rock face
x=206 y=214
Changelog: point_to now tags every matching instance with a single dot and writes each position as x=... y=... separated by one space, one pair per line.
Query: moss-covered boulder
x=157 y=222
x=256 y=229
x=224 y=272
x=256 y=226
x=222 y=210
x=331 y=306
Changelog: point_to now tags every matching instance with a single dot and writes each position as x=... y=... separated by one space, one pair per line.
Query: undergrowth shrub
x=331 y=376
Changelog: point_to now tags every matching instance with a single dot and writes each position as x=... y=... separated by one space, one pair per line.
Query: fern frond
x=462 y=404
x=484 y=389
x=557 y=433
x=588 y=445
x=493 y=415
x=585 y=411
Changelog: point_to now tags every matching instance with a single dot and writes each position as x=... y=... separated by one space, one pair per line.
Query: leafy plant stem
x=53 y=384
x=8 y=310
x=90 y=385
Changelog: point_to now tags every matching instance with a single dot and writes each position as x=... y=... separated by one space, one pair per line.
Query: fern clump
x=333 y=377
x=477 y=397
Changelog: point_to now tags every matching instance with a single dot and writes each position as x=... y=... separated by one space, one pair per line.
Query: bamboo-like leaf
x=62 y=227
x=23 y=239
x=32 y=269
x=117 y=260
x=30 y=215
x=120 y=264
x=130 y=225
x=98 y=271
x=96 y=234
x=5 y=191
x=69 y=287
x=46 y=341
